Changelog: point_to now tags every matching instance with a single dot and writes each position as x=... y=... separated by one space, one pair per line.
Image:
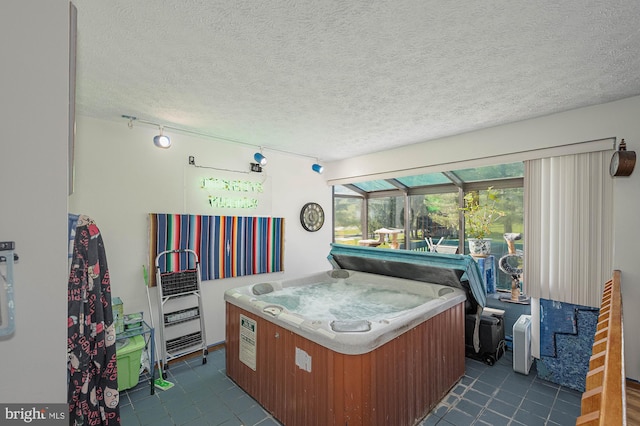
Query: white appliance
x=522 y=358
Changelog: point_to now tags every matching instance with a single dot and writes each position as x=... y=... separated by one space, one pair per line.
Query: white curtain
x=568 y=230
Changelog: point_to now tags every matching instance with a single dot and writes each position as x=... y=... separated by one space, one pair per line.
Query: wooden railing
x=603 y=402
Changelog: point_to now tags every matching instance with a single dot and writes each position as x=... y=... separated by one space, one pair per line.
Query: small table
x=371 y=243
x=394 y=235
x=149 y=341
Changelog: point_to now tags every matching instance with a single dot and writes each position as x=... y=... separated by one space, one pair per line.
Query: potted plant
x=478 y=219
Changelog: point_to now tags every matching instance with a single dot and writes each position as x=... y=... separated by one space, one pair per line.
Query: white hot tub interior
x=330 y=307
x=345 y=300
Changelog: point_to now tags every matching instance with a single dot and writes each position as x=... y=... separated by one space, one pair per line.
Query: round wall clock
x=312 y=217
x=622 y=161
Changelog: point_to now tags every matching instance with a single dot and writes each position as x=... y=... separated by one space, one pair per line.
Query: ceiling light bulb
x=162 y=141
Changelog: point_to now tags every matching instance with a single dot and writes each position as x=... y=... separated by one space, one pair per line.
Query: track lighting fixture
x=162 y=141
x=260 y=159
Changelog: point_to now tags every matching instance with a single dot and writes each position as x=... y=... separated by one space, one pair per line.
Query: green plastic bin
x=128 y=353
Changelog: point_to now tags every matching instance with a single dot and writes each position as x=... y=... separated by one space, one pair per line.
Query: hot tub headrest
x=454 y=270
x=262 y=288
x=339 y=273
x=444 y=291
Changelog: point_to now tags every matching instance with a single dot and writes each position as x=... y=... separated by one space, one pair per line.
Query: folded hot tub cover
x=454 y=270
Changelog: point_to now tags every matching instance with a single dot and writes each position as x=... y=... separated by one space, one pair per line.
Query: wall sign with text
x=210 y=191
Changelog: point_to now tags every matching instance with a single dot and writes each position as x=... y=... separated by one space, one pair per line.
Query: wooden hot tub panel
x=395 y=384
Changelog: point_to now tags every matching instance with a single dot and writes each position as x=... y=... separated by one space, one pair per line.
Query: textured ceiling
x=335 y=79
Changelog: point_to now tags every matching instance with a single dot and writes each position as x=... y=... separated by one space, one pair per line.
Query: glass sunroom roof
x=422 y=180
x=500 y=171
x=343 y=190
x=374 y=185
x=477 y=174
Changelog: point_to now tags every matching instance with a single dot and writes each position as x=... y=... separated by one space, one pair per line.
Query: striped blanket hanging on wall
x=226 y=246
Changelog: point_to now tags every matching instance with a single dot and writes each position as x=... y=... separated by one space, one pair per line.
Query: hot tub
x=308 y=362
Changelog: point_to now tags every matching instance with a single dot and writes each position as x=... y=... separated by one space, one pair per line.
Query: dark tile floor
x=487 y=395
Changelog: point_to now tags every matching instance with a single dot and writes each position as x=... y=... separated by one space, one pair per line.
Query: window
x=434 y=202
x=387 y=213
x=434 y=216
x=511 y=202
x=347 y=216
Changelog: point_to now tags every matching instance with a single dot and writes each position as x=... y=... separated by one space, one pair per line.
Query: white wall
x=121 y=177
x=616 y=119
x=33 y=207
